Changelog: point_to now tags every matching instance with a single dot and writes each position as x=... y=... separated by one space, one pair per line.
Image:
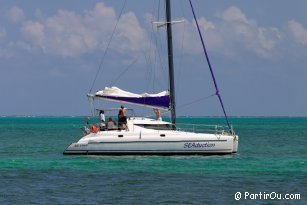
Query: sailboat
x=147 y=136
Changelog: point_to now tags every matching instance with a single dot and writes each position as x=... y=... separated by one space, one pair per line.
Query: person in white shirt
x=102 y=119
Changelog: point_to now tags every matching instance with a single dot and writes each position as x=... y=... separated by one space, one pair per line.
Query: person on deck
x=122 y=118
x=102 y=119
x=94 y=129
x=111 y=124
x=158 y=114
x=85 y=129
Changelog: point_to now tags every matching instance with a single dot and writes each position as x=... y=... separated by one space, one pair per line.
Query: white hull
x=142 y=141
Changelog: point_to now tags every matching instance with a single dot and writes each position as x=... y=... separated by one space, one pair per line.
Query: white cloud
x=191 y=42
x=35 y=30
x=269 y=37
x=298 y=31
x=16 y=14
x=245 y=33
x=70 y=34
x=7 y=52
x=231 y=32
x=133 y=36
x=233 y=14
x=207 y=25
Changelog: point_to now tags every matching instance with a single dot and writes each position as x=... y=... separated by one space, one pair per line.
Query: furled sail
x=159 y=100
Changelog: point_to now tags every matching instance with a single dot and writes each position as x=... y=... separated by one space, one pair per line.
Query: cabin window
x=156 y=126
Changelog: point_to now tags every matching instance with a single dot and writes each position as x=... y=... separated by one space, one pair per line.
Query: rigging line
x=159 y=61
x=196 y=101
x=148 y=72
x=159 y=10
x=209 y=64
x=148 y=57
x=150 y=62
x=150 y=65
x=105 y=53
x=158 y=49
x=121 y=74
x=181 y=51
x=91 y=105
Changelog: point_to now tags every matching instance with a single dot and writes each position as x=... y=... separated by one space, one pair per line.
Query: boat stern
x=235 y=144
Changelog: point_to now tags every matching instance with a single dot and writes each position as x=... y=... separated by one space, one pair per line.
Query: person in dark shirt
x=122 y=118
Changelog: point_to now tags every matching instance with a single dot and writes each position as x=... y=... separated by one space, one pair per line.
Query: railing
x=202 y=128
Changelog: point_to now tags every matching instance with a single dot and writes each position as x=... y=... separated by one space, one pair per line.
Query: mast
x=170 y=61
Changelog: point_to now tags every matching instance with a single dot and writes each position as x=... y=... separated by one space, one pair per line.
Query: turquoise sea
x=272 y=158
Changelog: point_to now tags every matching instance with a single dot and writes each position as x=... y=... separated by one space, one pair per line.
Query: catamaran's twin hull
x=206 y=144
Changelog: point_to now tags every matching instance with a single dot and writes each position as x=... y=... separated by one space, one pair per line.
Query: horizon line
x=182 y=116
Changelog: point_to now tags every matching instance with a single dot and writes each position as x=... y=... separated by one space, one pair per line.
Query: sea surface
x=272 y=160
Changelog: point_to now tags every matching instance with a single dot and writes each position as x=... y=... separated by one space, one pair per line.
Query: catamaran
x=146 y=136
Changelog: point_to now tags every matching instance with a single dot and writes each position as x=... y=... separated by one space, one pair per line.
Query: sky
x=51 y=51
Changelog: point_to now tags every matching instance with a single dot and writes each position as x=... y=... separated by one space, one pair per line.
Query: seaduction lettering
x=198 y=145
